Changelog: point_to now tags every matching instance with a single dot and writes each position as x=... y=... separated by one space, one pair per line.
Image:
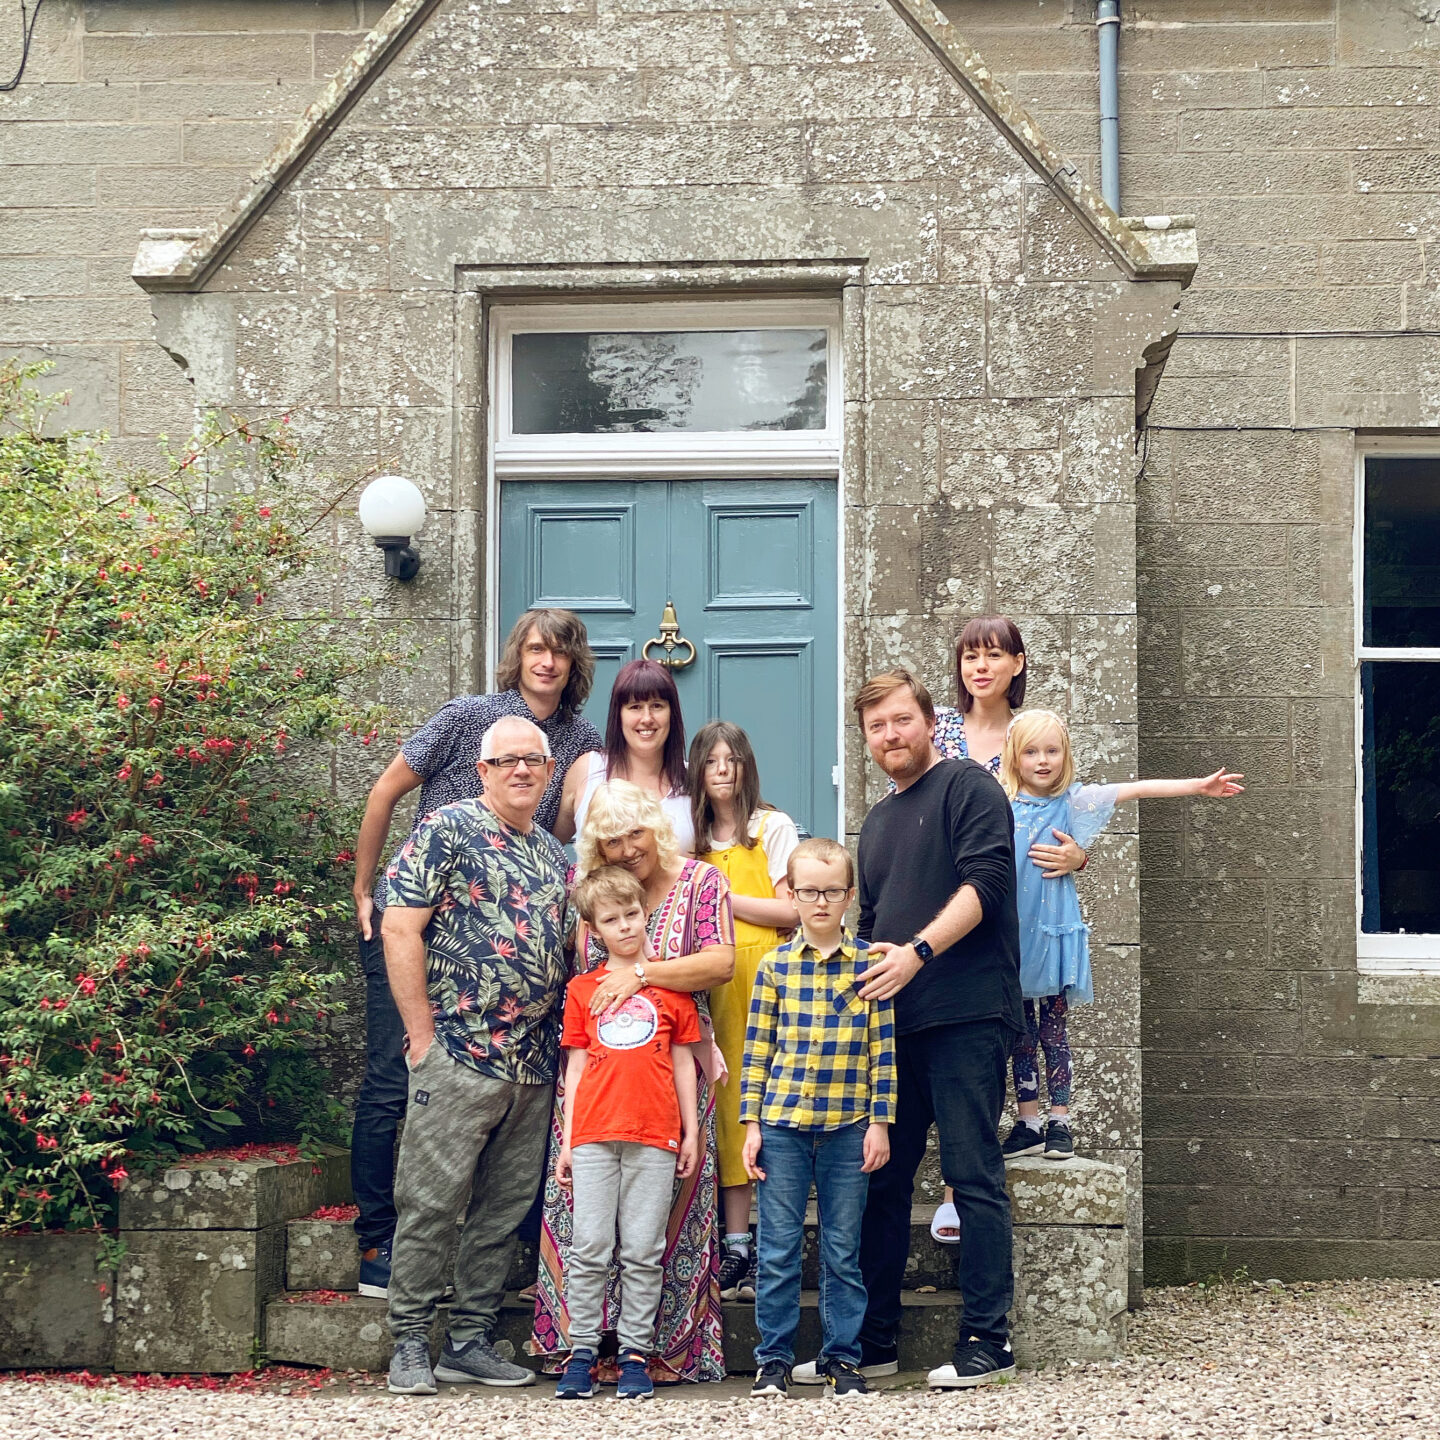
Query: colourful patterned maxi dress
x=689 y=1331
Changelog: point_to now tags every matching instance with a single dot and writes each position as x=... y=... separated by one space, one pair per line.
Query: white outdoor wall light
x=392 y=509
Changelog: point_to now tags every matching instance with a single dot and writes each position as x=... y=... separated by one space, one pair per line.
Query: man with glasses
x=474 y=937
x=544 y=676
x=937 y=900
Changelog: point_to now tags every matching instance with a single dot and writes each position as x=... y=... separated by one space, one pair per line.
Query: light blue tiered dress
x=1054 y=938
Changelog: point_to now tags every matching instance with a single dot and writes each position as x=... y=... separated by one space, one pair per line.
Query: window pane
x=621 y=382
x=1401 y=884
x=1402 y=551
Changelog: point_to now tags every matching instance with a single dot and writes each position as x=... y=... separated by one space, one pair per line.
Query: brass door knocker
x=670 y=640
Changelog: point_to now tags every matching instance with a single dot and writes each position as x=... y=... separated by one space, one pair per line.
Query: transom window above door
x=729 y=386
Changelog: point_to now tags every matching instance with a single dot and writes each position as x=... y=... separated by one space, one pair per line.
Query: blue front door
x=750 y=566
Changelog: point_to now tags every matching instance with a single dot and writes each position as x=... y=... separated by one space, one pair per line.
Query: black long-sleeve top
x=918 y=846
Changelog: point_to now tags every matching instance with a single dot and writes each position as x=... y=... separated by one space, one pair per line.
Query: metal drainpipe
x=1107 y=26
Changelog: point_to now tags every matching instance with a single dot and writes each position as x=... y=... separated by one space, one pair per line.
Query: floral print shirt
x=494 y=948
x=950 y=737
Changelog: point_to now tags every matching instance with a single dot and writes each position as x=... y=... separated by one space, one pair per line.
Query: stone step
x=349 y=1332
x=322 y=1255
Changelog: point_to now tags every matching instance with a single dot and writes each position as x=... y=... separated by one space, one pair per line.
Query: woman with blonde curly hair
x=691 y=935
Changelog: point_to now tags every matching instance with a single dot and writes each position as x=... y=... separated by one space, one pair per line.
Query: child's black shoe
x=1023 y=1139
x=773 y=1378
x=734 y=1267
x=846 y=1381
x=1059 y=1144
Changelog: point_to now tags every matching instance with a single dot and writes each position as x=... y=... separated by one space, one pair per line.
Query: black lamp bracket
x=402 y=560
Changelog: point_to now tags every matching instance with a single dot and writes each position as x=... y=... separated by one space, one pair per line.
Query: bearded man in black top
x=937 y=898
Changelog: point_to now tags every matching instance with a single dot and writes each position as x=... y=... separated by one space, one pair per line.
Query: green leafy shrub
x=172 y=863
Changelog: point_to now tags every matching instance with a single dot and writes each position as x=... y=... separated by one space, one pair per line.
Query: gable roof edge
x=184 y=260
x=162 y=263
x=1014 y=121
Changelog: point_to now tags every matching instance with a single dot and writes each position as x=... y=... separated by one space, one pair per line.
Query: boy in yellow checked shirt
x=817 y=1097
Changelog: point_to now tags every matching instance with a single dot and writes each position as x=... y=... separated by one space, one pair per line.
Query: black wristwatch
x=923 y=949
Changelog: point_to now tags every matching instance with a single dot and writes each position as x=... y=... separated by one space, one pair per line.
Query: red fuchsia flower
x=147 y=842
x=275 y=947
x=76 y=818
x=155 y=781
x=46 y=1142
x=122 y=702
x=282 y=887
x=142 y=949
x=86 y=1097
x=101 y=575
x=264 y=512
x=203 y=588
x=156 y=703
x=86 y=984
x=248 y=1052
x=124 y=772
x=271 y=1018
x=118 y=1176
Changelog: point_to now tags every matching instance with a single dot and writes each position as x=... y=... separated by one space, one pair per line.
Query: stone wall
x=1283 y=1094
x=133 y=115
x=992 y=340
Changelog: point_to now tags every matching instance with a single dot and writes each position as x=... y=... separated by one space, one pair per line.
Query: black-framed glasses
x=808 y=894
x=508 y=762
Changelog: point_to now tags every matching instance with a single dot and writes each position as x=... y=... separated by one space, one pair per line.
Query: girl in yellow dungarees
x=750 y=841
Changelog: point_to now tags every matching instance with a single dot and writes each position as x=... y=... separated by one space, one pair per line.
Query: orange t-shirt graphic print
x=627 y=1092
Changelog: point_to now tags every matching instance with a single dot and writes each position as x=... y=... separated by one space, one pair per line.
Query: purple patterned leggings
x=1043 y=1031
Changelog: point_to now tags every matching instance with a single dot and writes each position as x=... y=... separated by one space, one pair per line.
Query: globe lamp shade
x=392 y=509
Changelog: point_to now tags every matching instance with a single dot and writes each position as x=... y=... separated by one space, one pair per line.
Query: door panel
x=751 y=569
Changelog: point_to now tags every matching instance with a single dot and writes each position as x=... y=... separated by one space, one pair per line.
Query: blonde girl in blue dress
x=1037 y=770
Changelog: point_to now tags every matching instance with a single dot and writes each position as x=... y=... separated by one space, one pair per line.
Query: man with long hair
x=544 y=676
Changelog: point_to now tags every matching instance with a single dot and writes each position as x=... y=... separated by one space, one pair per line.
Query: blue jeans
x=952 y=1076
x=380 y=1105
x=792 y=1159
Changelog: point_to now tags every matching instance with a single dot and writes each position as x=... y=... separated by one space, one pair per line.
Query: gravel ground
x=1254 y=1359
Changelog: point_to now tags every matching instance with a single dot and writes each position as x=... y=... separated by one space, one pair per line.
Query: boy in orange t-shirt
x=631 y=1127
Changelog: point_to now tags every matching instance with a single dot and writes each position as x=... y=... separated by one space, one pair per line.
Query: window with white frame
x=1398 y=648
x=745 y=386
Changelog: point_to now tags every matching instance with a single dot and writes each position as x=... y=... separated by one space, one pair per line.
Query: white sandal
x=946 y=1218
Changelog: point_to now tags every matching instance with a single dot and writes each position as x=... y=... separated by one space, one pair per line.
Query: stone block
x=89 y=375
x=887 y=152
x=1040 y=339
x=194 y=1301
x=137 y=187
x=927 y=342
x=1071 y=1294
x=192 y=57
x=228 y=1194
x=232 y=142
x=39 y=185
x=472 y=158
x=40 y=143
x=55 y=1303
x=285 y=350
x=321 y=1255
x=396 y=349
x=678 y=155
x=1079 y=1192
x=182 y=16
x=823 y=37
x=902 y=450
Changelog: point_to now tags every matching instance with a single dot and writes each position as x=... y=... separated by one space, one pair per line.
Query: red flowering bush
x=171 y=857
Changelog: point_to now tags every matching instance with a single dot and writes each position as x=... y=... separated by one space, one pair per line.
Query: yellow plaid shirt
x=817 y=1056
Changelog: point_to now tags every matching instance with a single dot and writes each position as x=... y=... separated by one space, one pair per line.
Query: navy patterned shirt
x=444 y=750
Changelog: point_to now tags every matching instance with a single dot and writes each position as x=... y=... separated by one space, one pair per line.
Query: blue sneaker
x=375 y=1271
x=577 y=1383
x=635 y=1382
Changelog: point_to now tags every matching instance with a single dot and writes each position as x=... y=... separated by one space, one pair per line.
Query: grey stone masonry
x=56 y=1304
x=1071 y=1259
x=1286 y=1095
x=995 y=319
x=203 y=1250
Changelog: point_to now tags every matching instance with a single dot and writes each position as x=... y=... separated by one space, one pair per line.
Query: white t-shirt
x=779 y=840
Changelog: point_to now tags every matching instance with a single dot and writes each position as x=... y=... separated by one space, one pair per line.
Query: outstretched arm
x=1218 y=786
